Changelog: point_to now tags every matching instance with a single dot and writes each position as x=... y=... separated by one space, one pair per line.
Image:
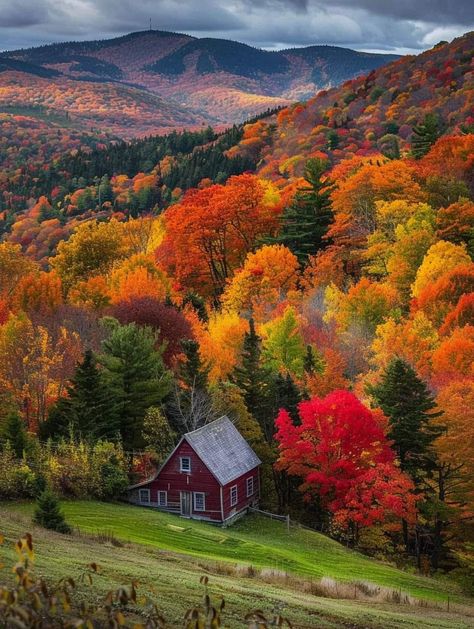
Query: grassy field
x=167 y=555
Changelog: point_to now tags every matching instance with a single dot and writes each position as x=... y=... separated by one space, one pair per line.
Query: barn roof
x=223 y=450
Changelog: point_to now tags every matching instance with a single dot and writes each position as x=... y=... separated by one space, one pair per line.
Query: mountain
x=370 y=114
x=153 y=81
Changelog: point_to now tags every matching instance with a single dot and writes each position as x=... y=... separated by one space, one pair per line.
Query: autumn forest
x=308 y=272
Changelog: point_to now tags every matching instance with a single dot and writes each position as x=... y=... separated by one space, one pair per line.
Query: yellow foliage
x=221 y=343
x=441 y=257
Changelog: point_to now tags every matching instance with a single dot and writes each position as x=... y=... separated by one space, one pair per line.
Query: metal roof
x=223 y=450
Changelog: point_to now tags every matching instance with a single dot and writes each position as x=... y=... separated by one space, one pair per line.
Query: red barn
x=212 y=474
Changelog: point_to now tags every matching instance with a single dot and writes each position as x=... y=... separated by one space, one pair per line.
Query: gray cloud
x=400 y=26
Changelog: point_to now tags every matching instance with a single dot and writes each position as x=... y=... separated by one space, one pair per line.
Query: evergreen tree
x=48 y=513
x=256 y=382
x=192 y=372
x=306 y=220
x=91 y=408
x=408 y=404
x=425 y=135
x=136 y=370
x=288 y=396
x=105 y=191
x=15 y=434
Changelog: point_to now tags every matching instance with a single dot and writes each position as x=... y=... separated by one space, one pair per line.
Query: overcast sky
x=401 y=26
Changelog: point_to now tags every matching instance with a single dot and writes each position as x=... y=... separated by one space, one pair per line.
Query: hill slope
x=373 y=113
x=152 y=541
x=214 y=80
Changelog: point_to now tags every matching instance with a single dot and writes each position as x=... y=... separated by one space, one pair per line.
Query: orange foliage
x=456 y=222
x=462 y=315
x=39 y=292
x=92 y=293
x=267 y=277
x=455 y=356
x=332 y=378
x=438 y=298
x=210 y=232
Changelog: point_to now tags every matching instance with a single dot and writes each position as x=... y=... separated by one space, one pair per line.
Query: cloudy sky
x=401 y=26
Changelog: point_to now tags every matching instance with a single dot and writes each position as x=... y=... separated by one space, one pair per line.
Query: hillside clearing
x=167 y=556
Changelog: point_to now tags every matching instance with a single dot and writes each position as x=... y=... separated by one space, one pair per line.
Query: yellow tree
x=440 y=257
x=221 y=343
x=92 y=249
x=33 y=368
x=268 y=276
x=14 y=265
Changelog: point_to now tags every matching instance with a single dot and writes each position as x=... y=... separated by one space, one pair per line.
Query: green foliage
x=288 y=395
x=283 y=347
x=114 y=480
x=15 y=434
x=158 y=436
x=408 y=404
x=389 y=146
x=91 y=409
x=255 y=381
x=305 y=222
x=192 y=372
x=135 y=369
x=48 y=513
x=313 y=361
x=425 y=135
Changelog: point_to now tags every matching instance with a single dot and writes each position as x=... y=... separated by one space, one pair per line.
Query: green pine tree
x=91 y=408
x=256 y=382
x=48 y=513
x=136 y=370
x=192 y=371
x=313 y=361
x=409 y=406
x=15 y=434
x=425 y=135
x=306 y=220
x=288 y=396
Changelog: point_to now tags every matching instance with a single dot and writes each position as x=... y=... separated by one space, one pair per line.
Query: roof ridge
x=193 y=432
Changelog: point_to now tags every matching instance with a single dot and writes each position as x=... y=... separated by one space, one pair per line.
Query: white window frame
x=144 y=502
x=250 y=484
x=162 y=492
x=181 y=469
x=234 y=499
x=195 y=495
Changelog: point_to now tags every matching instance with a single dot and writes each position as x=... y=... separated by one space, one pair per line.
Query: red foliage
x=171 y=324
x=342 y=454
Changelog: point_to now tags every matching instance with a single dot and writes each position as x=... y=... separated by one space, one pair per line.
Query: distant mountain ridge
x=213 y=80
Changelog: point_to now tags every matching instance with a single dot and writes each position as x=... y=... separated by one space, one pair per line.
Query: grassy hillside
x=167 y=555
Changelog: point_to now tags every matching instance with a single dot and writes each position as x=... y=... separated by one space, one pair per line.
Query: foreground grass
x=253 y=540
x=167 y=555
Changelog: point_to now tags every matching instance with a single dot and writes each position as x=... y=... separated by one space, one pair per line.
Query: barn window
x=199 y=501
x=234 y=495
x=144 y=496
x=162 y=498
x=250 y=487
x=185 y=464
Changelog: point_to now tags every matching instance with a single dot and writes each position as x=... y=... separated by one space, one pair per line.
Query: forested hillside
x=309 y=273
x=153 y=81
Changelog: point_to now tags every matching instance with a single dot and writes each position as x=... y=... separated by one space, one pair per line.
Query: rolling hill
x=159 y=80
x=166 y=556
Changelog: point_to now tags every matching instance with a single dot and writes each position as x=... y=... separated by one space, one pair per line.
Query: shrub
x=48 y=513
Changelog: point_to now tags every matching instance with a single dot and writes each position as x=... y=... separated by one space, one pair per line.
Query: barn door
x=186 y=503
